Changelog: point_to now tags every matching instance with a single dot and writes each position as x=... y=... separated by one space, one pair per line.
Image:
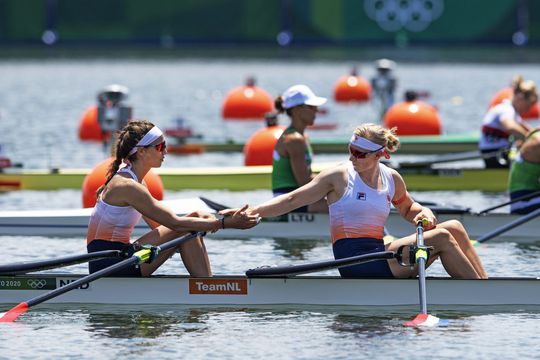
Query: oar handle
x=421 y=224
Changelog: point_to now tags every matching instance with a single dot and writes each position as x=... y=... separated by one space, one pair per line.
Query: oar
x=439 y=159
x=423 y=318
x=23 y=268
x=524 y=197
x=509 y=226
x=141 y=256
x=213 y=205
x=291 y=270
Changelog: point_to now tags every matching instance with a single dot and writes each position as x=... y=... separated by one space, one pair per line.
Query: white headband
x=148 y=138
x=364 y=143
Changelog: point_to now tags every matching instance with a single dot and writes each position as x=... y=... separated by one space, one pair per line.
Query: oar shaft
x=447 y=158
x=521 y=198
x=23 y=268
x=421 y=270
x=174 y=243
x=137 y=258
x=84 y=280
x=290 y=270
x=510 y=226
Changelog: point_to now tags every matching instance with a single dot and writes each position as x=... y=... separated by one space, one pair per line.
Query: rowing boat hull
x=305 y=226
x=435 y=144
x=257 y=177
x=242 y=291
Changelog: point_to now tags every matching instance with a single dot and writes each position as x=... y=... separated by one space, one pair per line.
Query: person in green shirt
x=292 y=156
x=525 y=175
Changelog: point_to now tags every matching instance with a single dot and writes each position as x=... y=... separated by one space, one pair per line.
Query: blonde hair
x=525 y=87
x=379 y=135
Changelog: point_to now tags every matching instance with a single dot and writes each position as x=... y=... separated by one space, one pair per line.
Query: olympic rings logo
x=413 y=15
x=36 y=283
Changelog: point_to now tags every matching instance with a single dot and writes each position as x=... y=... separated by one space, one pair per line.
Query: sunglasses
x=362 y=154
x=159 y=147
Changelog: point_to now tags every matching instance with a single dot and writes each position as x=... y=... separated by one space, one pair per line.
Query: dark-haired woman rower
x=124 y=199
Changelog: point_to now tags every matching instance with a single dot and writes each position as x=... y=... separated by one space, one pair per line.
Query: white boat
x=307 y=226
x=299 y=290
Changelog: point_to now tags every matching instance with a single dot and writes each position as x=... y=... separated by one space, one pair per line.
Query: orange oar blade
x=14 y=313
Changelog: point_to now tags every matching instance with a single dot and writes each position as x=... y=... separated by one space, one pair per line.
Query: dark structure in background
x=169 y=23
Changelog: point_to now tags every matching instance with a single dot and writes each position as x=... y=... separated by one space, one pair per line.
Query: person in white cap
x=124 y=199
x=292 y=156
x=360 y=193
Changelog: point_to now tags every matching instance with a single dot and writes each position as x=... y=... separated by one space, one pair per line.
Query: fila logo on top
x=361 y=196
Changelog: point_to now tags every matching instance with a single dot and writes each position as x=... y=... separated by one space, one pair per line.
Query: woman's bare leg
x=460 y=234
x=195 y=258
x=455 y=262
x=193 y=252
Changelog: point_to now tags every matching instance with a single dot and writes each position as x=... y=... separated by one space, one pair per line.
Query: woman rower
x=503 y=120
x=124 y=198
x=292 y=156
x=359 y=195
x=525 y=175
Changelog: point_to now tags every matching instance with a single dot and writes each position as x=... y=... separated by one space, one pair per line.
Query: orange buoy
x=507 y=93
x=352 y=88
x=413 y=118
x=260 y=146
x=89 y=129
x=97 y=177
x=247 y=102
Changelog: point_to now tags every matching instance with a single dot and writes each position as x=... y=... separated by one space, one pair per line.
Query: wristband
x=223 y=223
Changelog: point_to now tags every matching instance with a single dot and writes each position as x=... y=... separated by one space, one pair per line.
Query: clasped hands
x=240 y=218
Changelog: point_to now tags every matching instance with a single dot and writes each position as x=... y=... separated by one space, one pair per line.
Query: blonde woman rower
x=359 y=195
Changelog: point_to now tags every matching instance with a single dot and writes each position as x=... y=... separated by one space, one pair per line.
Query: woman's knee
x=442 y=239
x=453 y=226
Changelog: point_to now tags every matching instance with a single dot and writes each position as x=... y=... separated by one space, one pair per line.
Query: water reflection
x=365 y=326
x=152 y=322
x=532 y=249
x=297 y=249
x=143 y=323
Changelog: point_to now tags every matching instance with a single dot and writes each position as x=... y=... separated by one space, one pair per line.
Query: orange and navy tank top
x=362 y=211
x=113 y=223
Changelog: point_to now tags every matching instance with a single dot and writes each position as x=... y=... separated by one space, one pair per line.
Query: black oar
x=23 y=268
x=509 y=226
x=291 y=270
x=439 y=159
x=524 y=197
x=423 y=318
x=141 y=256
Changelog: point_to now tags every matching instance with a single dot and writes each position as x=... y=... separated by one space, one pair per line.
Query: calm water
x=40 y=107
